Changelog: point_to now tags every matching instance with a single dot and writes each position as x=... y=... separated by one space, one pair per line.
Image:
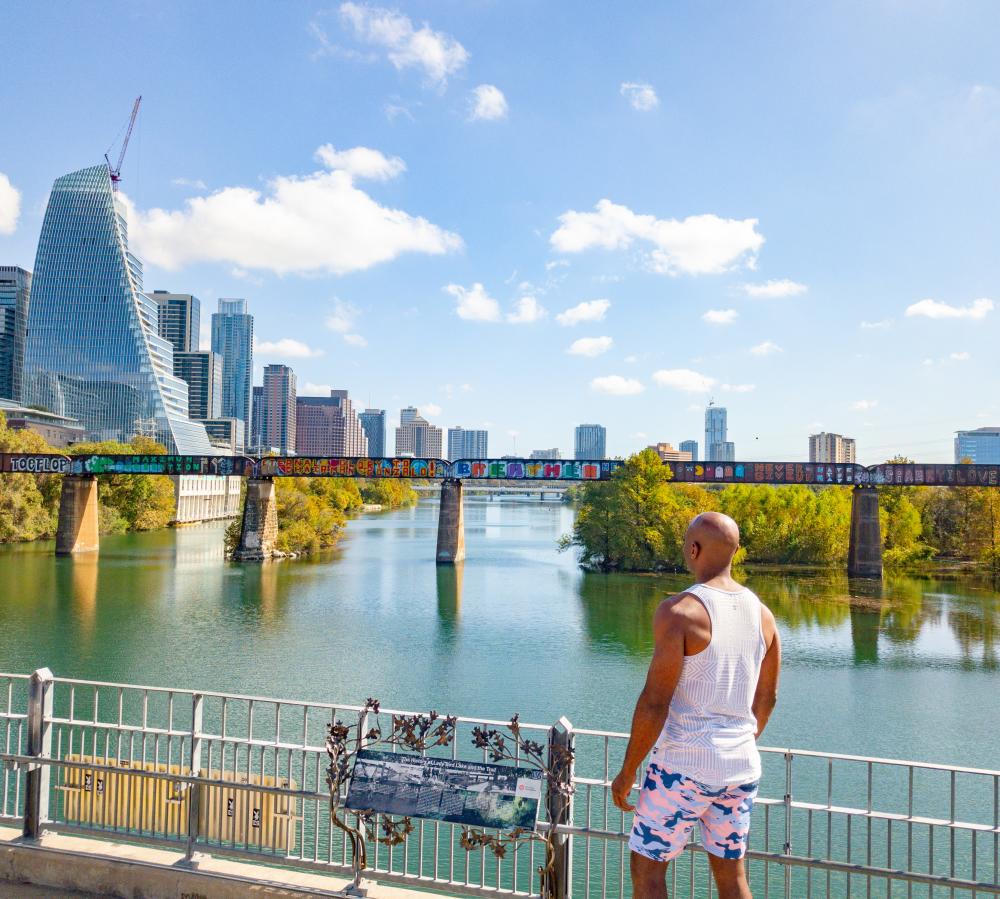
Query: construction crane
x=116 y=171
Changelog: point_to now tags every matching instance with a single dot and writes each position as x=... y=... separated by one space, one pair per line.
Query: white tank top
x=709 y=732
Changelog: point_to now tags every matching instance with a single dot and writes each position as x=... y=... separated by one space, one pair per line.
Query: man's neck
x=721 y=578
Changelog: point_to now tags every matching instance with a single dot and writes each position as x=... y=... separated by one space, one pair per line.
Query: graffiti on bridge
x=889 y=474
x=317 y=466
x=530 y=469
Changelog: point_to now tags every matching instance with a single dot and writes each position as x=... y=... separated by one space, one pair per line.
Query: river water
x=908 y=669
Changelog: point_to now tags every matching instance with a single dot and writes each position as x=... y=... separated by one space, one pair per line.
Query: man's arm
x=654 y=701
x=770 y=668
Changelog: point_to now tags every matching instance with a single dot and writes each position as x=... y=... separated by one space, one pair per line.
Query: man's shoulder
x=680 y=608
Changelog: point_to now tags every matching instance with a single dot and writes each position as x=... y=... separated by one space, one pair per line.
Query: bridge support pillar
x=864 y=557
x=259 y=528
x=77 y=530
x=451 y=523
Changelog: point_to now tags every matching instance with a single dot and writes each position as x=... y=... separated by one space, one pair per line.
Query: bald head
x=711 y=542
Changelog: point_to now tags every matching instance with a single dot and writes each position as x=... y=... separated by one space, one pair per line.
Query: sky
x=528 y=215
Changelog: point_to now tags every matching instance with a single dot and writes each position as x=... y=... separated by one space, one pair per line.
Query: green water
x=905 y=670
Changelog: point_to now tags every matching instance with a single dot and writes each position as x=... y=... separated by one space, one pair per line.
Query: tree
x=28 y=502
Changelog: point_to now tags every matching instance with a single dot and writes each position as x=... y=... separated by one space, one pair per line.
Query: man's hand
x=621 y=786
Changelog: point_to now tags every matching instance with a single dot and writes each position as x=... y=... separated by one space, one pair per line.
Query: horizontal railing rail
x=244 y=776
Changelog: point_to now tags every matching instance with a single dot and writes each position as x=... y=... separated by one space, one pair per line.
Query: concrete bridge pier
x=77 y=530
x=864 y=557
x=451 y=523
x=259 y=527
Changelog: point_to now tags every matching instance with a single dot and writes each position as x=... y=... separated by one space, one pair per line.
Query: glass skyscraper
x=232 y=339
x=717 y=447
x=15 y=293
x=373 y=422
x=93 y=351
x=589 y=442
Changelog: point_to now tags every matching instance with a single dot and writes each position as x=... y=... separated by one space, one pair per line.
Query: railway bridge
x=77 y=530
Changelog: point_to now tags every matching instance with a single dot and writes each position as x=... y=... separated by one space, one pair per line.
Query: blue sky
x=535 y=214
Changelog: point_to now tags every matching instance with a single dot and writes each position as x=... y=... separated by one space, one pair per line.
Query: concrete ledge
x=128 y=871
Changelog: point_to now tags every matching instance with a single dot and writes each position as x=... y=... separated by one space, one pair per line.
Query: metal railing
x=244 y=776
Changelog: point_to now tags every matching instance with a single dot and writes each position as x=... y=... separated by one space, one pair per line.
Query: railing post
x=787 y=847
x=194 y=790
x=36 y=800
x=560 y=805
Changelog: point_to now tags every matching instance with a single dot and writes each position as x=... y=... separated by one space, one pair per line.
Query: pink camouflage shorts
x=671 y=804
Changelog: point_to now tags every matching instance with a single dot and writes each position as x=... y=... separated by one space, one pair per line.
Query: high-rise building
x=824 y=447
x=232 y=339
x=15 y=296
x=981 y=446
x=589 y=442
x=690 y=447
x=373 y=422
x=717 y=446
x=256 y=438
x=93 y=351
x=416 y=436
x=179 y=319
x=464 y=444
x=552 y=453
x=279 y=408
x=328 y=426
x=667 y=453
x=225 y=433
x=202 y=371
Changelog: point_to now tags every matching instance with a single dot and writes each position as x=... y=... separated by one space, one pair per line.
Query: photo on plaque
x=475 y=794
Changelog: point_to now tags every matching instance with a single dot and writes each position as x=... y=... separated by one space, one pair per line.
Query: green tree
x=28 y=502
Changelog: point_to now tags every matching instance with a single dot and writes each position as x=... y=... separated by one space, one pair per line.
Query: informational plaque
x=476 y=794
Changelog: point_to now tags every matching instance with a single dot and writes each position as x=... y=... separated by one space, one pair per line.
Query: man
x=711 y=687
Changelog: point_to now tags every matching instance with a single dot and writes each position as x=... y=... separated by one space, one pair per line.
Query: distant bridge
x=77 y=531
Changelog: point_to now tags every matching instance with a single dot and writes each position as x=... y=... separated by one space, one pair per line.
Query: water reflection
x=449 y=598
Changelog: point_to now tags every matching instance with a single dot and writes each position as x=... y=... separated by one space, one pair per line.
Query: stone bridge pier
x=864 y=557
x=77 y=530
x=451 y=523
x=259 y=527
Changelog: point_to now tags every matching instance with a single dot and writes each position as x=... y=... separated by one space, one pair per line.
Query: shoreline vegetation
x=635 y=522
x=312 y=512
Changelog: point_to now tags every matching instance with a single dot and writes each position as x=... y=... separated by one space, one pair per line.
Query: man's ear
x=695 y=549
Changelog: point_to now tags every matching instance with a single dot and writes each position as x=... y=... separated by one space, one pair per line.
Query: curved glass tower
x=93 y=350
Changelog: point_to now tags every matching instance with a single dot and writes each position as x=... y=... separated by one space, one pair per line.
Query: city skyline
x=799 y=318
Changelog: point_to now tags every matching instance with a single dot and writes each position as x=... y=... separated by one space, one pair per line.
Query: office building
x=232 y=339
x=691 y=448
x=206 y=498
x=373 y=423
x=278 y=426
x=202 y=372
x=667 y=453
x=552 y=453
x=981 y=446
x=256 y=436
x=225 y=433
x=93 y=351
x=57 y=430
x=416 y=436
x=835 y=448
x=465 y=444
x=328 y=426
x=15 y=296
x=717 y=446
x=589 y=442
x=179 y=319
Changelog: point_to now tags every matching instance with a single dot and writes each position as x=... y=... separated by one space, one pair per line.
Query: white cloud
x=864 y=405
x=936 y=309
x=286 y=348
x=876 y=326
x=304 y=224
x=640 y=95
x=771 y=290
x=487 y=103
x=474 y=303
x=590 y=346
x=432 y=409
x=10 y=205
x=616 y=385
x=631 y=359
x=361 y=162
x=342 y=320
x=194 y=183
x=526 y=311
x=587 y=311
x=437 y=54
x=960 y=357
x=720 y=316
x=767 y=348
x=683 y=379
x=696 y=245
x=310 y=389
x=739 y=388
